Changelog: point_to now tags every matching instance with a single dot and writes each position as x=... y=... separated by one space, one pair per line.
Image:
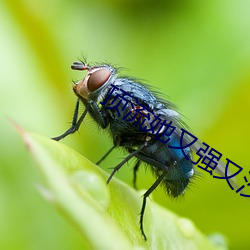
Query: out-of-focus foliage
x=197 y=53
x=102 y=213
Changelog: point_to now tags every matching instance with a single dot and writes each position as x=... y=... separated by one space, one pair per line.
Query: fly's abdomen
x=180 y=169
x=163 y=159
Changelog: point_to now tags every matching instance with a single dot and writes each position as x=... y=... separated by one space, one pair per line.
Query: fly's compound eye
x=97 y=79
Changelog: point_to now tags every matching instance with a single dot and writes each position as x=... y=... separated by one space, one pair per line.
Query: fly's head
x=93 y=85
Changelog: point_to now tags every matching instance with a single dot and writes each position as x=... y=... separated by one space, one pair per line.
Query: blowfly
x=148 y=127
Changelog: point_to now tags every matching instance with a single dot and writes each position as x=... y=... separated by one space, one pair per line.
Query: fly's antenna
x=80 y=66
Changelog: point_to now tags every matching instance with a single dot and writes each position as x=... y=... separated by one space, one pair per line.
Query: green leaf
x=107 y=215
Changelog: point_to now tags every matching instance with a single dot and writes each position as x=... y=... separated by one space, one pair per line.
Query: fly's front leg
x=97 y=114
x=75 y=123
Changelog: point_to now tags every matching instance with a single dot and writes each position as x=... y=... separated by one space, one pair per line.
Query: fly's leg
x=136 y=167
x=99 y=116
x=125 y=160
x=105 y=155
x=75 y=123
x=145 y=196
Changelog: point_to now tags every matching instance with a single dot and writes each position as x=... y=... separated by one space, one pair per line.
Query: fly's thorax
x=94 y=85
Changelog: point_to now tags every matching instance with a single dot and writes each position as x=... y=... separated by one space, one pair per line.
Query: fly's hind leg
x=145 y=196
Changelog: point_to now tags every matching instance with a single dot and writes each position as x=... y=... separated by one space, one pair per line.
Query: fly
x=148 y=127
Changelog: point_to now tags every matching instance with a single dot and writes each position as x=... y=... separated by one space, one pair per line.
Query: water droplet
x=94 y=185
x=186 y=226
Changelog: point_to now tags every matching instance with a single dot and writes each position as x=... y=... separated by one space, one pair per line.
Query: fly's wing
x=220 y=168
x=182 y=132
x=168 y=112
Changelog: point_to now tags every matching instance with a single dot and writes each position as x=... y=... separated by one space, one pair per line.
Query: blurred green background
x=195 y=52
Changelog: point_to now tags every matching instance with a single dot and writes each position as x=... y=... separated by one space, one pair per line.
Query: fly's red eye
x=97 y=79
